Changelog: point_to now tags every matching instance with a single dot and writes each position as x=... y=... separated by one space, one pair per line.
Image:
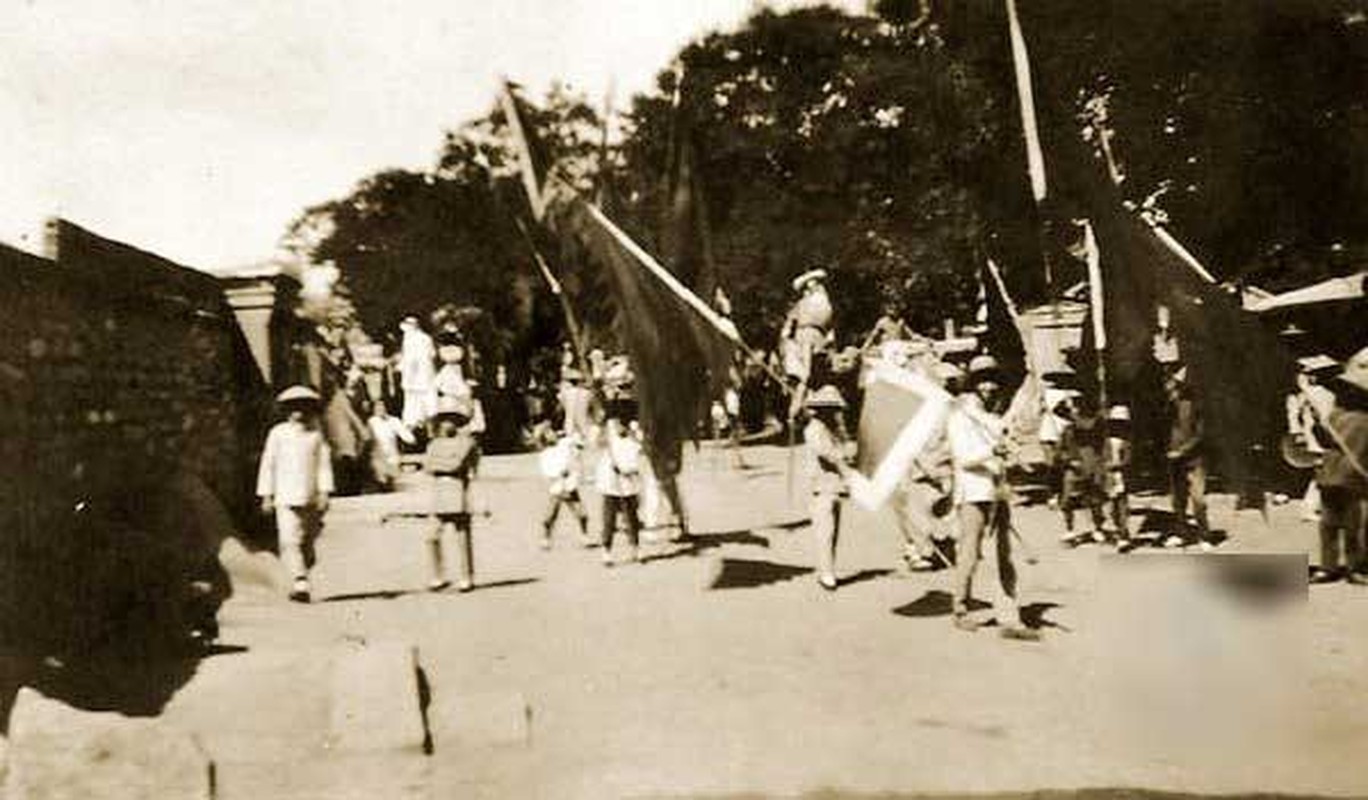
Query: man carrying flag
x=978 y=452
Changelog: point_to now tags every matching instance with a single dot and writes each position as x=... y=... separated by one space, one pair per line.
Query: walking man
x=295 y=479
x=978 y=455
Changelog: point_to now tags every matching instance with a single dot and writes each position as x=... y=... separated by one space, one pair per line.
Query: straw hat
x=1317 y=363
x=298 y=394
x=982 y=363
x=811 y=275
x=826 y=397
x=1356 y=370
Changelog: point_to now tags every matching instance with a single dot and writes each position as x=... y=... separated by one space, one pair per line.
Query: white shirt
x=619 y=469
x=417 y=363
x=560 y=463
x=387 y=432
x=974 y=435
x=296 y=466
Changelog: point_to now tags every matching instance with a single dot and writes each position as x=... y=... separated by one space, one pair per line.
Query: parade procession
x=874 y=398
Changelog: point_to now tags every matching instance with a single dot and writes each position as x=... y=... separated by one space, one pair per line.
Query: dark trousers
x=627 y=507
x=572 y=501
x=1187 y=481
x=1341 y=523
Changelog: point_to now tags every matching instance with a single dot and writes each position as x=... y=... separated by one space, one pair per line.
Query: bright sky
x=199 y=128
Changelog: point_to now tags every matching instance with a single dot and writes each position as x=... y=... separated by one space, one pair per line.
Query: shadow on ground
x=746 y=573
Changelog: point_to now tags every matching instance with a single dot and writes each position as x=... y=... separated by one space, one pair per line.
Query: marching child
x=1080 y=452
x=451 y=458
x=1117 y=455
x=825 y=438
x=561 y=463
x=295 y=479
x=618 y=479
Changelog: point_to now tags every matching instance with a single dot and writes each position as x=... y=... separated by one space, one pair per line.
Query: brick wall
x=121 y=373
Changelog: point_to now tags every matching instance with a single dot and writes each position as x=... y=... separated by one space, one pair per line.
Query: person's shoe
x=1206 y=545
x=962 y=621
x=586 y=541
x=1019 y=633
x=1126 y=544
x=828 y=582
x=1067 y=536
x=299 y=593
x=1099 y=537
x=1358 y=578
x=607 y=558
x=438 y=584
x=1322 y=575
x=465 y=586
x=1174 y=541
x=636 y=556
x=920 y=564
x=546 y=543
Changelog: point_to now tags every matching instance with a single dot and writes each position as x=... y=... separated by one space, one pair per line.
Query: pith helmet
x=826 y=397
x=298 y=394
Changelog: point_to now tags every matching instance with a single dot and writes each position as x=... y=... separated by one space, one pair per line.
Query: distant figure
x=618 y=480
x=295 y=479
x=561 y=464
x=978 y=454
x=450 y=460
x=1117 y=459
x=387 y=431
x=577 y=404
x=806 y=333
x=1342 y=479
x=1080 y=452
x=827 y=445
x=417 y=374
x=1186 y=462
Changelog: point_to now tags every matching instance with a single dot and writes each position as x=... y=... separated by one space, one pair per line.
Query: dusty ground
x=723 y=669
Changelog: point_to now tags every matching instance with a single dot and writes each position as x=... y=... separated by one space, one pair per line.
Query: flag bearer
x=978 y=455
x=295 y=479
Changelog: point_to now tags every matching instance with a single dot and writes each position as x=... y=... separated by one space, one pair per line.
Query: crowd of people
x=955 y=501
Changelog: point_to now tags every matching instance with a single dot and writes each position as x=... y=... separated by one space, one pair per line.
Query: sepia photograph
x=723 y=399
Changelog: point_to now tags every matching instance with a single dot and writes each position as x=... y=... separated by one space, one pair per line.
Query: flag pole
x=1094 y=258
x=576 y=334
x=1035 y=157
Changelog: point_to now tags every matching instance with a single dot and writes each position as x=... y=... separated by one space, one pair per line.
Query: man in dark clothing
x=1343 y=476
x=1186 y=465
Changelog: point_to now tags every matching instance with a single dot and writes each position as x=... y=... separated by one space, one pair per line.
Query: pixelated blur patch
x=1197 y=660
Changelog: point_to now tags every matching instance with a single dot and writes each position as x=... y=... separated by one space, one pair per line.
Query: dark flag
x=1237 y=368
x=680 y=349
x=534 y=161
x=686 y=240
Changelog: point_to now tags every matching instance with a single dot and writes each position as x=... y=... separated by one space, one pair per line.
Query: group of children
x=1087 y=458
x=295 y=482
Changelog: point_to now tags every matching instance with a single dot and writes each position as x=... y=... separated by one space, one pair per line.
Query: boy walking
x=561 y=463
x=450 y=460
x=295 y=479
x=618 y=480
